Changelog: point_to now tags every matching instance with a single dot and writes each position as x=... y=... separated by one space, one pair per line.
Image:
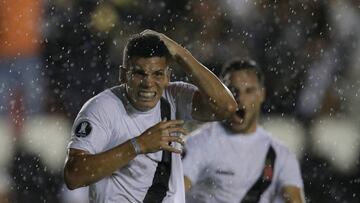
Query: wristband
x=135 y=145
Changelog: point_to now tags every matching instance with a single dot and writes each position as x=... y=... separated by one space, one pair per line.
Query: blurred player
x=237 y=160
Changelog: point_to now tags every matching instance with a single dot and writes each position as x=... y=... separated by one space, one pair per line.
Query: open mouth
x=241 y=113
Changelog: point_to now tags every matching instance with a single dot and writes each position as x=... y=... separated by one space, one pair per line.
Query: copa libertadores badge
x=83 y=129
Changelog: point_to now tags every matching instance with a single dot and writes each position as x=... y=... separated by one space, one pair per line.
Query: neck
x=251 y=129
x=248 y=131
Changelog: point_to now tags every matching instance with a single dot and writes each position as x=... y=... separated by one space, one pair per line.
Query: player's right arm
x=83 y=168
x=213 y=100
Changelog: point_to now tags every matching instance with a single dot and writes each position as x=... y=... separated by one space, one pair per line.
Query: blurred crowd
x=55 y=55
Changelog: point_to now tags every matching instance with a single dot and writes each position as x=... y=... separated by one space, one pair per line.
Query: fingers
x=152 y=32
x=172 y=126
x=175 y=126
x=148 y=31
x=167 y=139
x=171 y=149
x=167 y=124
x=159 y=136
x=177 y=130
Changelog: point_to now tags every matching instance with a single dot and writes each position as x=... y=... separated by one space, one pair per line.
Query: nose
x=147 y=81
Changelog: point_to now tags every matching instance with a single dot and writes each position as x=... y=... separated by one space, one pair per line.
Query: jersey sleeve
x=290 y=174
x=182 y=94
x=91 y=128
x=197 y=157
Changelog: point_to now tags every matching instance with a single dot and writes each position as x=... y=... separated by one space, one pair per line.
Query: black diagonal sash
x=160 y=184
x=263 y=182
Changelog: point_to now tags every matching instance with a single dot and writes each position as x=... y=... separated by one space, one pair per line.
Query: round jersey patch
x=83 y=129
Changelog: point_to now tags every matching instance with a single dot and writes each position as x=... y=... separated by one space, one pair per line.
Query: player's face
x=249 y=95
x=146 y=79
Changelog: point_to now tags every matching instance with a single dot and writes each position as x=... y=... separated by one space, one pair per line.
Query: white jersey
x=105 y=121
x=223 y=166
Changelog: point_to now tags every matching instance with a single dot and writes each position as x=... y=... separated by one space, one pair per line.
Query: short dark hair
x=144 y=46
x=239 y=64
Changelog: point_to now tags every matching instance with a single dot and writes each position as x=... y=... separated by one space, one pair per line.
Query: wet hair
x=144 y=46
x=239 y=64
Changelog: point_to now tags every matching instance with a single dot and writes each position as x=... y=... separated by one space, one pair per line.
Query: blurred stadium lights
x=47 y=136
x=338 y=141
x=287 y=130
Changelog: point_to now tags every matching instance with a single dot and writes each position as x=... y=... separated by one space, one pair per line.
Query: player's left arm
x=290 y=179
x=213 y=100
x=293 y=194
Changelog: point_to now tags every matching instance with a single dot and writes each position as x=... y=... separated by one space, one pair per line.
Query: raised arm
x=82 y=168
x=213 y=101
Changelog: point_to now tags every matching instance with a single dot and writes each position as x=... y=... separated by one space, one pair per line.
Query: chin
x=235 y=127
x=238 y=129
x=145 y=106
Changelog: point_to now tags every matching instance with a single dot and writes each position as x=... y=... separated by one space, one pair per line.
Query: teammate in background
x=120 y=142
x=237 y=160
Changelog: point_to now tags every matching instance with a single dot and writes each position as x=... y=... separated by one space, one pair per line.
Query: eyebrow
x=251 y=88
x=138 y=68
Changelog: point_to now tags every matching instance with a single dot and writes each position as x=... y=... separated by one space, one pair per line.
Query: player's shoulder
x=206 y=134
x=104 y=102
x=280 y=148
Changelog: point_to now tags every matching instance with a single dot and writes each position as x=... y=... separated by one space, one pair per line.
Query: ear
x=122 y=74
x=167 y=79
x=168 y=75
x=262 y=94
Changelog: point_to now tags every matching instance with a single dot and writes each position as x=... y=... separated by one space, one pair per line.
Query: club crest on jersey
x=268 y=172
x=83 y=129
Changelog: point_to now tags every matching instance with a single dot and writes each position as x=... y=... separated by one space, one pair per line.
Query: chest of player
x=236 y=173
x=131 y=125
x=140 y=171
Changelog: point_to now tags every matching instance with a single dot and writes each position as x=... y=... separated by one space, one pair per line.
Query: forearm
x=216 y=101
x=211 y=88
x=85 y=169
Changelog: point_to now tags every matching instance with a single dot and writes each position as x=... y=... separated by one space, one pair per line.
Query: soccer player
x=237 y=160
x=125 y=142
